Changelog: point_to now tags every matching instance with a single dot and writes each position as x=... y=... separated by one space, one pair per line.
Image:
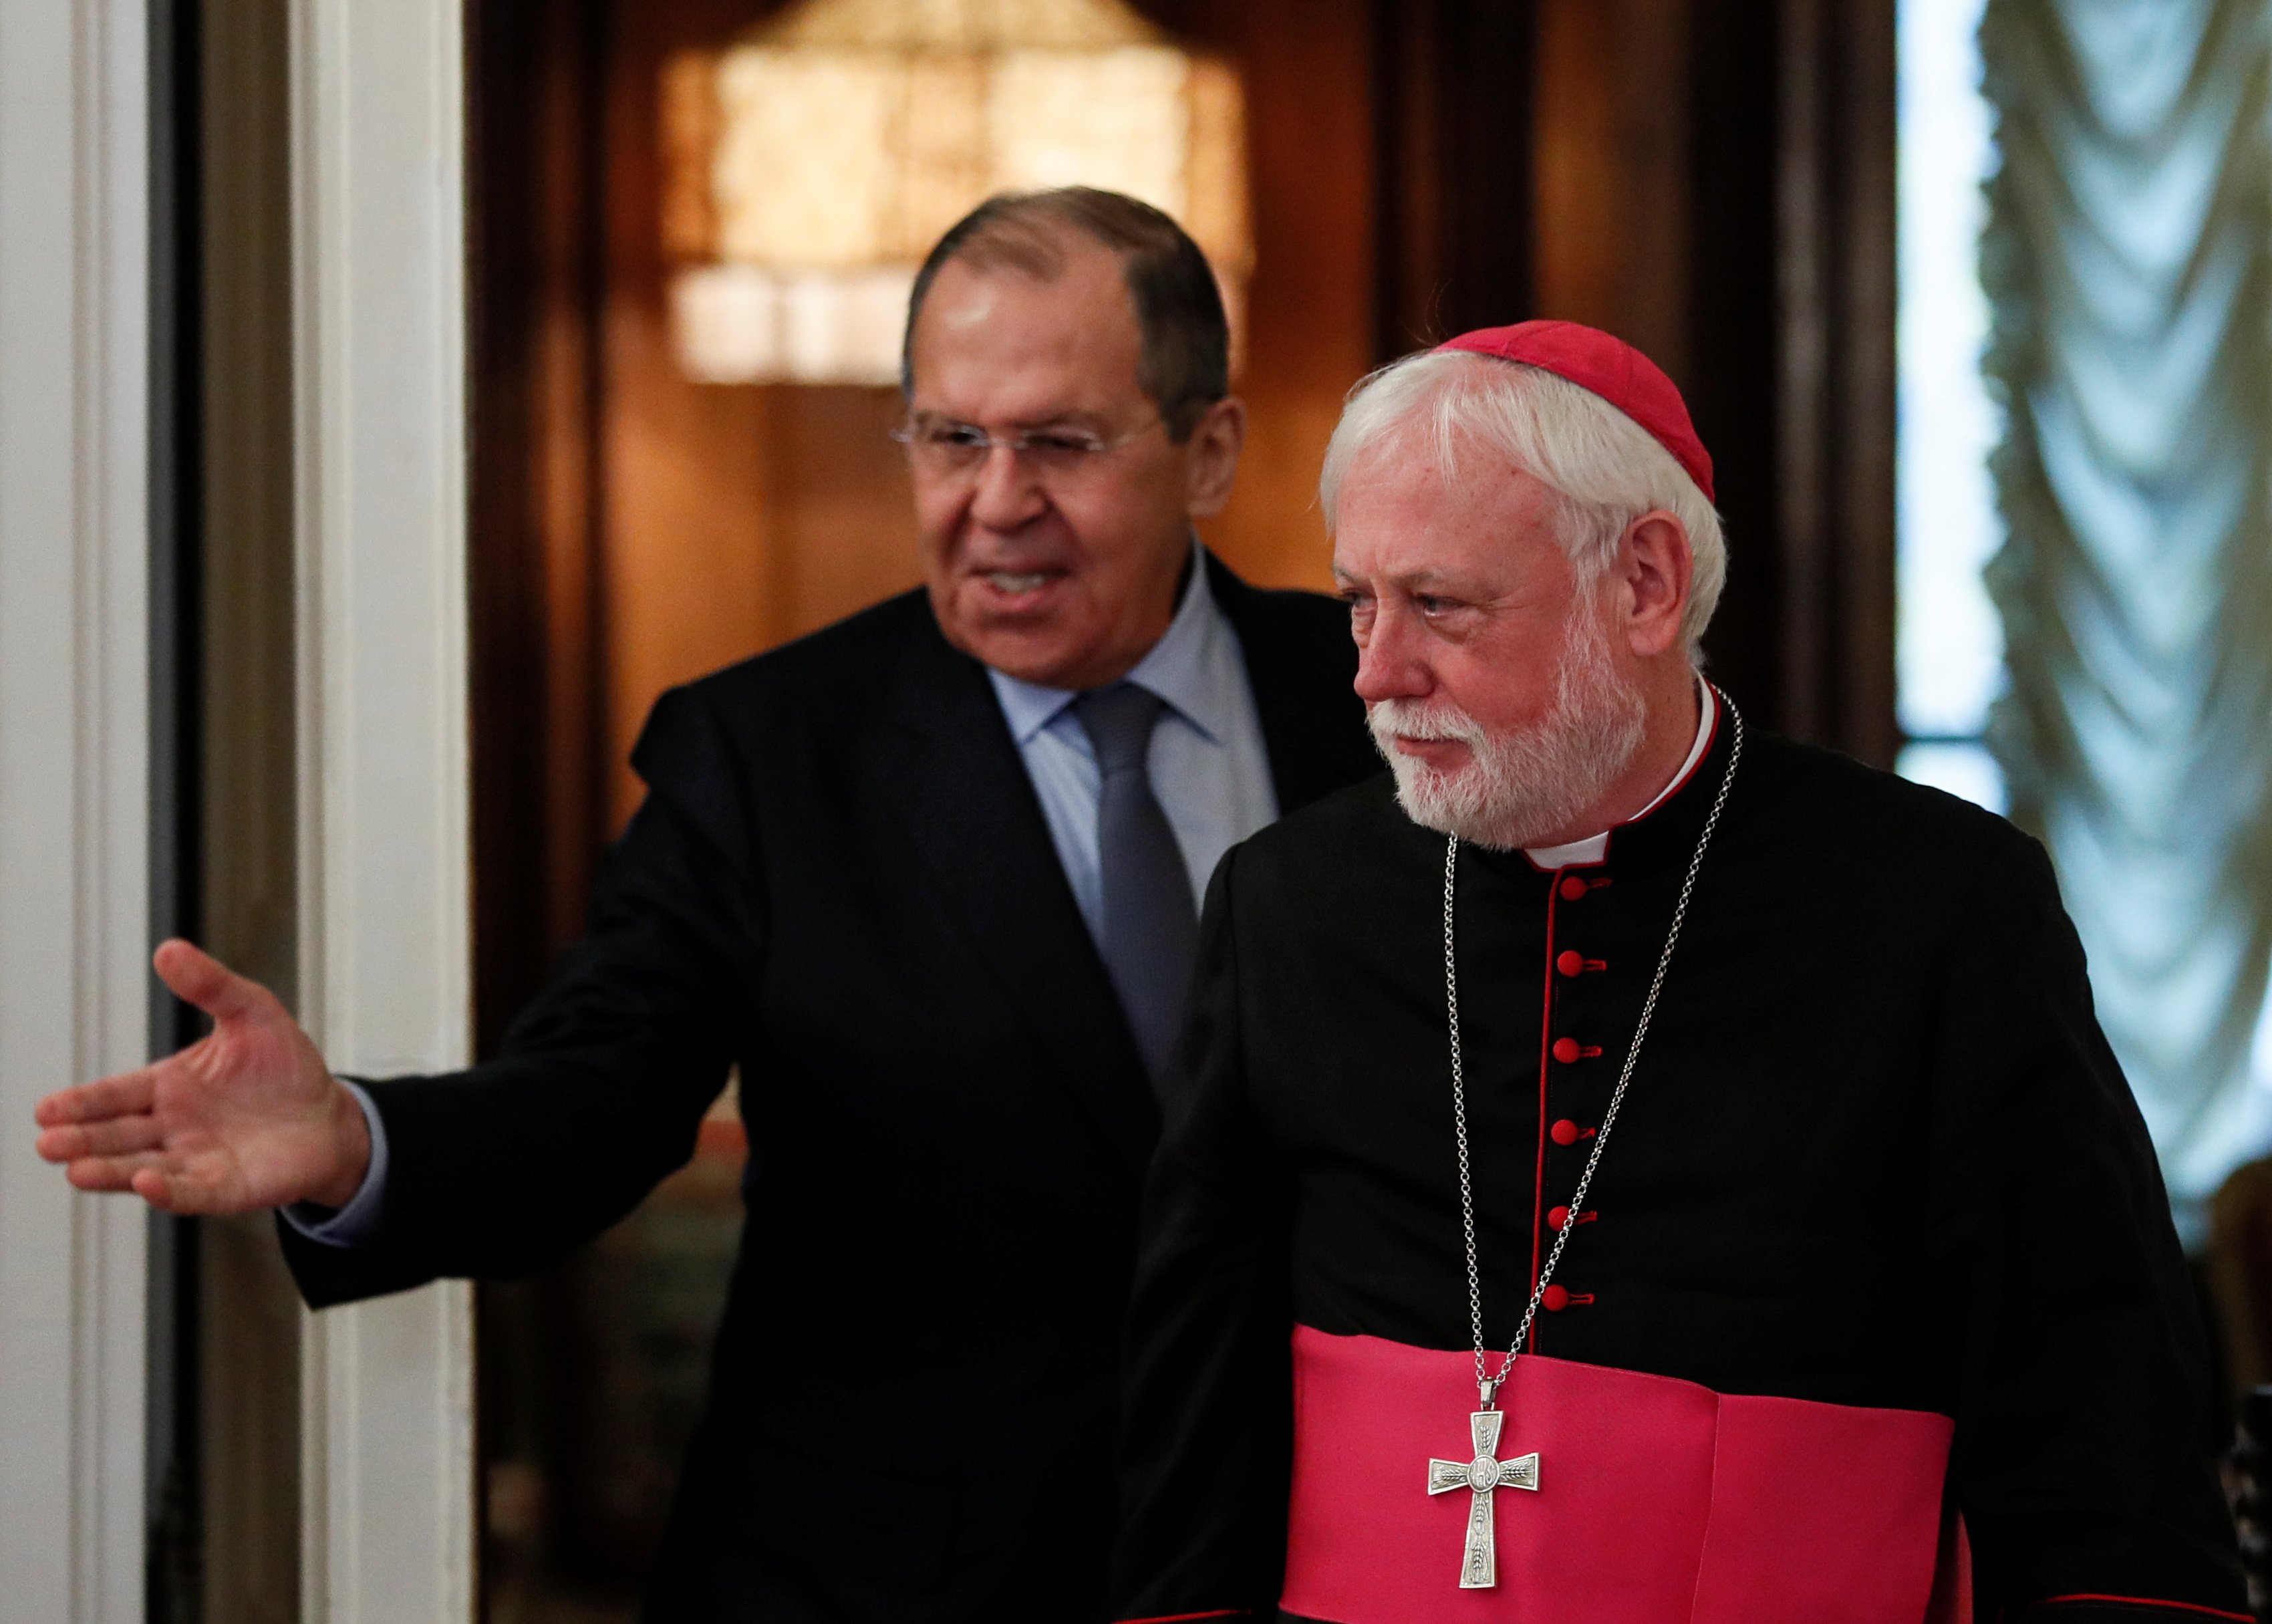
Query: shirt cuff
x=357 y=1223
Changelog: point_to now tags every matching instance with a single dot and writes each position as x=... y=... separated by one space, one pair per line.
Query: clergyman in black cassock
x=1873 y=1309
x=1877 y=1155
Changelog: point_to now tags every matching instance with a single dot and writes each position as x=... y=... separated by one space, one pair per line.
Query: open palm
x=246 y=1117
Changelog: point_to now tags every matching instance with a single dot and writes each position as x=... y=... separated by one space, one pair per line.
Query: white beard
x=1518 y=790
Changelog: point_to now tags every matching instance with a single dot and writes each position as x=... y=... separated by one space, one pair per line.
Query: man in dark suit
x=929 y=878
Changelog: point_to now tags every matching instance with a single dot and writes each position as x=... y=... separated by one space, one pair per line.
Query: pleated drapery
x=2127 y=258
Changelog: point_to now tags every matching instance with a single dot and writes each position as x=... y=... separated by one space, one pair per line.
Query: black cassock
x=1879 y=1210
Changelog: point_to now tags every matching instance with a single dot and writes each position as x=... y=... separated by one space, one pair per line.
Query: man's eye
x=1428 y=604
x=954 y=436
x=1060 y=447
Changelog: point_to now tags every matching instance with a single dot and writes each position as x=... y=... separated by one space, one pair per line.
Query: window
x=1949 y=643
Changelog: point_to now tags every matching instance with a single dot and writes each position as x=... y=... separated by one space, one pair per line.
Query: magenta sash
x=1658 y=1501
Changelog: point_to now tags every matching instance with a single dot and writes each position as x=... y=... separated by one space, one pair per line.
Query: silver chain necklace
x=1489 y=1384
x=1483 y=1474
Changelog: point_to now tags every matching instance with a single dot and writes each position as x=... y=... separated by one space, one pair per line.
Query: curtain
x=2126 y=259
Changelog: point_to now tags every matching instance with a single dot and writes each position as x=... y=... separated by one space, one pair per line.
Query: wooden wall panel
x=1835 y=237
x=533 y=543
x=839 y=506
x=1612 y=167
x=1714 y=183
x=1453 y=90
x=685 y=533
x=684 y=539
x=1733 y=339
x=1307 y=67
x=241 y=1335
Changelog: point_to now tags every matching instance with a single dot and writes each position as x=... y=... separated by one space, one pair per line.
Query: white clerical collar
x=1594 y=848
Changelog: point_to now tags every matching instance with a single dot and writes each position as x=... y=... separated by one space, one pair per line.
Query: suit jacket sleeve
x=2082 y=1461
x=598 y=1089
x=1207 y=1402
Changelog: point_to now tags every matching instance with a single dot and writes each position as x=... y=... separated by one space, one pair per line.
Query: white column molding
x=74 y=789
x=379 y=248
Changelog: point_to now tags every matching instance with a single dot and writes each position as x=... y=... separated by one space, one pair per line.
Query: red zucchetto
x=1608 y=367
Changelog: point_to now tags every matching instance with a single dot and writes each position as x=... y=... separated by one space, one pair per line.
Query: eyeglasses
x=951 y=449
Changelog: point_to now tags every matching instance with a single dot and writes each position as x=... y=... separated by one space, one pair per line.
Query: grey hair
x=1606 y=468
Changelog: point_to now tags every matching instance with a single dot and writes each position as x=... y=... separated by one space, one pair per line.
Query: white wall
x=74 y=789
x=386 y=986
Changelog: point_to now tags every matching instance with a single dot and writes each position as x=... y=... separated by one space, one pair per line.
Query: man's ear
x=1658 y=566
x=1213 y=464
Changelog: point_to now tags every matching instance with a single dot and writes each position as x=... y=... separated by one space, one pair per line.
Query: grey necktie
x=1151 y=929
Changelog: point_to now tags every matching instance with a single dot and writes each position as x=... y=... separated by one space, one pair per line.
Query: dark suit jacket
x=841 y=880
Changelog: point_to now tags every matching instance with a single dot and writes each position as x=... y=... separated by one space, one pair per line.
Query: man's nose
x=1007 y=495
x=1388 y=663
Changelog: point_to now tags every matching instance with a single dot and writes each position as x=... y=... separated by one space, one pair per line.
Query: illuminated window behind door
x=1949 y=643
x=2131 y=895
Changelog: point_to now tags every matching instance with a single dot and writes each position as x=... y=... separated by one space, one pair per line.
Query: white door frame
x=379 y=319
x=75 y=900
x=385 y=982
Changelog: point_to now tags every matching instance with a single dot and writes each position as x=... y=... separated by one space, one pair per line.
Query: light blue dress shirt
x=1209 y=768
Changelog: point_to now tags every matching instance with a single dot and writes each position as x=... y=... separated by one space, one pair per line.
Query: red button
x=1572 y=887
x=1566 y=1049
x=1557 y=1216
x=1570 y=961
x=1564 y=1133
x=1554 y=1299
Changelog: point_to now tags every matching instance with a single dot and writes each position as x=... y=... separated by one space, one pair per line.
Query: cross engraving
x=1484 y=1475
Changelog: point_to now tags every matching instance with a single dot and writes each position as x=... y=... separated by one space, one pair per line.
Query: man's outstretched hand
x=246 y=1117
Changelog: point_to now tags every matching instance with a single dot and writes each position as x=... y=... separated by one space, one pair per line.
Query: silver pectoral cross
x=1484 y=1475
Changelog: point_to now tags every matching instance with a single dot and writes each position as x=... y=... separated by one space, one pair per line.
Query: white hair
x=1606 y=468
x=1517 y=789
